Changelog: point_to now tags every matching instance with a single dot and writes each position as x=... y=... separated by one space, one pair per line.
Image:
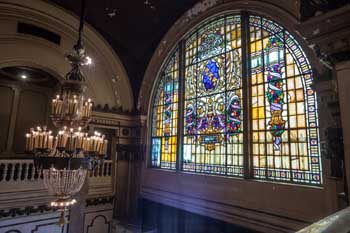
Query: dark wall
x=165 y=219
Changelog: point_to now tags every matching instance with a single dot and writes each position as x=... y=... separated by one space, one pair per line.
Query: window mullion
x=180 y=120
x=246 y=83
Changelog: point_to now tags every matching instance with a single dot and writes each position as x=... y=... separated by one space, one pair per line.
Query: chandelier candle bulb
x=55 y=143
x=75 y=145
x=28 y=141
x=70 y=140
x=98 y=145
x=50 y=142
x=105 y=144
x=60 y=139
x=36 y=140
x=68 y=147
x=78 y=141
x=39 y=138
x=83 y=110
x=84 y=143
x=54 y=106
x=64 y=139
x=45 y=140
x=59 y=107
x=88 y=144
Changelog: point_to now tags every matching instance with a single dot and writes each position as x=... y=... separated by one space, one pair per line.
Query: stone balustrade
x=103 y=170
x=24 y=170
x=21 y=183
x=18 y=170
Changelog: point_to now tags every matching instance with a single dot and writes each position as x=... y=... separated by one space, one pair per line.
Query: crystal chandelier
x=65 y=157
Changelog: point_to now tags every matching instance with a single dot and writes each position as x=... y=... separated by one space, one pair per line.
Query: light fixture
x=23 y=76
x=88 y=60
x=65 y=157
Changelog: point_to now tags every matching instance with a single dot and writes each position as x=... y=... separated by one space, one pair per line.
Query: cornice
x=115 y=119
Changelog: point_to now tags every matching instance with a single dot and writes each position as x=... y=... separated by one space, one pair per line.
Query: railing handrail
x=338 y=222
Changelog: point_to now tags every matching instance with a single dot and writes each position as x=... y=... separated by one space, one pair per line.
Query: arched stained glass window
x=243 y=106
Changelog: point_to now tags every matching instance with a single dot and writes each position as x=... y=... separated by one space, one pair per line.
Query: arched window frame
x=246 y=86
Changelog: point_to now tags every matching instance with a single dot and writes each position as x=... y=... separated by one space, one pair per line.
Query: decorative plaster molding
x=200 y=8
x=99 y=201
x=28 y=210
x=115 y=119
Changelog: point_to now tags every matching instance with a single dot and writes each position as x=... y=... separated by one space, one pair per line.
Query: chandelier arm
x=81 y=24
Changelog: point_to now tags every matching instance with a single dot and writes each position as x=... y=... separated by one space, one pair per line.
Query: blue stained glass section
x=156 y=152
x=211 y=75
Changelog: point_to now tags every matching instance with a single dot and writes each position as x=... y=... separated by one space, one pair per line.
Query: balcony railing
x=21 y=183
x=338 y=222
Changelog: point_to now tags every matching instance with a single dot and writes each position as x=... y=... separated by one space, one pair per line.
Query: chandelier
x=65 y=157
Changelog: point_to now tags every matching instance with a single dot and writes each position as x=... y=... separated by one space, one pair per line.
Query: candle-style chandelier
x=64 y=158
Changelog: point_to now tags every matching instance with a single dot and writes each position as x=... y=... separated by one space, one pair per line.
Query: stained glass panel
x=284 y=122
x=213 y=109
x=165 y=117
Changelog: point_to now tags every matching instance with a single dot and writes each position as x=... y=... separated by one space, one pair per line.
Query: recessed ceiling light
x=23 y=76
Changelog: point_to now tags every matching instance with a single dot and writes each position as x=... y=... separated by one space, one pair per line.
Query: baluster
x=26 y=171
x=100 y=170
x=9 y=172
x=20 y=171
x=96 y=171
x=33 y=172
x=12 y=178
x=16 y=171
x=6 y=171
x=12 y=174
x=2 y=171
x=30 y=169
x=110 y=169
x=105 y=166
x=36 y=173
x=23 y=172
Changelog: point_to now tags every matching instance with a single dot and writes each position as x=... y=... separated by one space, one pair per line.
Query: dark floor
x=167 y=219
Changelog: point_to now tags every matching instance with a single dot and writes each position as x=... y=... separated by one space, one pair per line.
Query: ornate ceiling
x=134 y=31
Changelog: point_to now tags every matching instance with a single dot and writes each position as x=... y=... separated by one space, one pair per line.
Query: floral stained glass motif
x=165 y=114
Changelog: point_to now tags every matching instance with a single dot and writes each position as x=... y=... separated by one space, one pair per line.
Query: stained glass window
x=165 y=116
x=235 y=64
